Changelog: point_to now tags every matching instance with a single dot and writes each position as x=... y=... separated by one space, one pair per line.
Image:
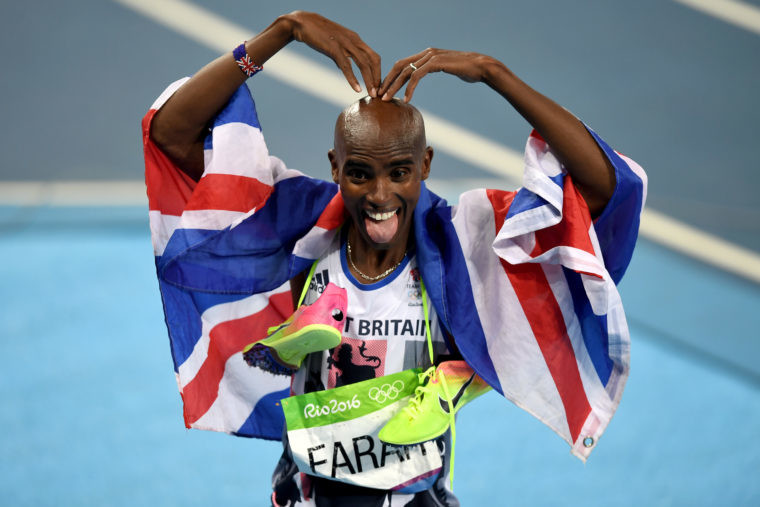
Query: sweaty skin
x=379 y=161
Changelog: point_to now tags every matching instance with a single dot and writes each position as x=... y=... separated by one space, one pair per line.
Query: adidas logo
x=319 y=281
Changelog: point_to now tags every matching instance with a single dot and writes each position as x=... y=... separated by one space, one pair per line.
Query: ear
x=334 y=165
x=426 y=162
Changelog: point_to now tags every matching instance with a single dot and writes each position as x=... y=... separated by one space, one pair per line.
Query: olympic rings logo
x=386 y=392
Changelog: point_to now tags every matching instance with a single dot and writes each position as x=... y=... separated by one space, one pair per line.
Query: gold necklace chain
x=367 y=277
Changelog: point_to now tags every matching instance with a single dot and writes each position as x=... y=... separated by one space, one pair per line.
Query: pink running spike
x=310 y=329
x=329 y=308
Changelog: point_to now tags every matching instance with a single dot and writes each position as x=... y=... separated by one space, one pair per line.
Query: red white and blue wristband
x=244 y=61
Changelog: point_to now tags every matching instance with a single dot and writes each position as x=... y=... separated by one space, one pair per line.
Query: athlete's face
x=379 y=165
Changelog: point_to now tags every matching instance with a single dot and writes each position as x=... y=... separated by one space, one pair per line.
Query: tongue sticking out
x=381 y=231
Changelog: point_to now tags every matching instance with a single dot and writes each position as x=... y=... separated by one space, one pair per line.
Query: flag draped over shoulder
x=223 y=264
x=524 y=281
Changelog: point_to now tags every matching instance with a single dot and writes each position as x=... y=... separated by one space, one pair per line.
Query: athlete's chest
x=384 y=330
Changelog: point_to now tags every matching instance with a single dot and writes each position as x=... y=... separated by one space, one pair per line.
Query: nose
x=380 y=194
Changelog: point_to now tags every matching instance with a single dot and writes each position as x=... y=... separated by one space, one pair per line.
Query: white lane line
x=655 y=226
x=318 y=80
x=737 y=13
x=73 y=193
x=700 y=245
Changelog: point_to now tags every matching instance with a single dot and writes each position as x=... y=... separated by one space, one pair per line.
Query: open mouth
x=381 y=226
x=379 y=216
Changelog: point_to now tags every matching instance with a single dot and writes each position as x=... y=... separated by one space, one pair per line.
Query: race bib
x=333 y=434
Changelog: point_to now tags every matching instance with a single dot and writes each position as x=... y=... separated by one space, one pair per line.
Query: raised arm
x=589 y=168
x=180 y=126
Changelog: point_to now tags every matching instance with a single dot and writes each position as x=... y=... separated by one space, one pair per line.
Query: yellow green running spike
x=428 y=415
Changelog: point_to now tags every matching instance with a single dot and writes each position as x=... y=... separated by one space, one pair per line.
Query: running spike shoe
x=310 y=329
x=428 y=415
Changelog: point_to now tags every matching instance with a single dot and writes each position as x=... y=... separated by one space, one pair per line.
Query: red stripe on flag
x=500 y=200
x=573 y=230
x=229 y=192
x=333 y=215
x=548 y=325
x=226 y=339
x=169 y=189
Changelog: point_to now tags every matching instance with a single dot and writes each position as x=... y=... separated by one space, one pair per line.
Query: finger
x=403 y=76
x=368 y=62
x=414 y=79
x=397 y=68
x=344 y=64
x=390 y=78
x=424 y=66
x=374 y=64
x=362 y=61
x=377 y=70
x=397 y=72
x=403 y=71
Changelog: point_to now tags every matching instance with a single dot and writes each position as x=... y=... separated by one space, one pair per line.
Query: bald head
x=373 y=121
x=380 y=161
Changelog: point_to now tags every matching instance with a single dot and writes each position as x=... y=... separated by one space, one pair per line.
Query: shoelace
x=305 y=289
x=425 y=375
x=413 y=408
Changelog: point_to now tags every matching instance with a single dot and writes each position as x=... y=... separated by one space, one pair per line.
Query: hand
x=340 y=44
x=467 y=66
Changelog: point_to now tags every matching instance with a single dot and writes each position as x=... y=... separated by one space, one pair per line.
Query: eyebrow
x=401 y=162
x=357 y=164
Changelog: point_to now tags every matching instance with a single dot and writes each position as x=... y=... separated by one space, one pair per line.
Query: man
x=521 y=283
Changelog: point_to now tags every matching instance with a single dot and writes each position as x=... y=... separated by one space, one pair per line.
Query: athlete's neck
x=371 y=261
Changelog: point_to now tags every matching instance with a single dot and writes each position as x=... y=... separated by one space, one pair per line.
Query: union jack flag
x=246 y=64
x=524 y=280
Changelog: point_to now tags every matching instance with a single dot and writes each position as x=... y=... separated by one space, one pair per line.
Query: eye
x=357 y=175
x=399 y=173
